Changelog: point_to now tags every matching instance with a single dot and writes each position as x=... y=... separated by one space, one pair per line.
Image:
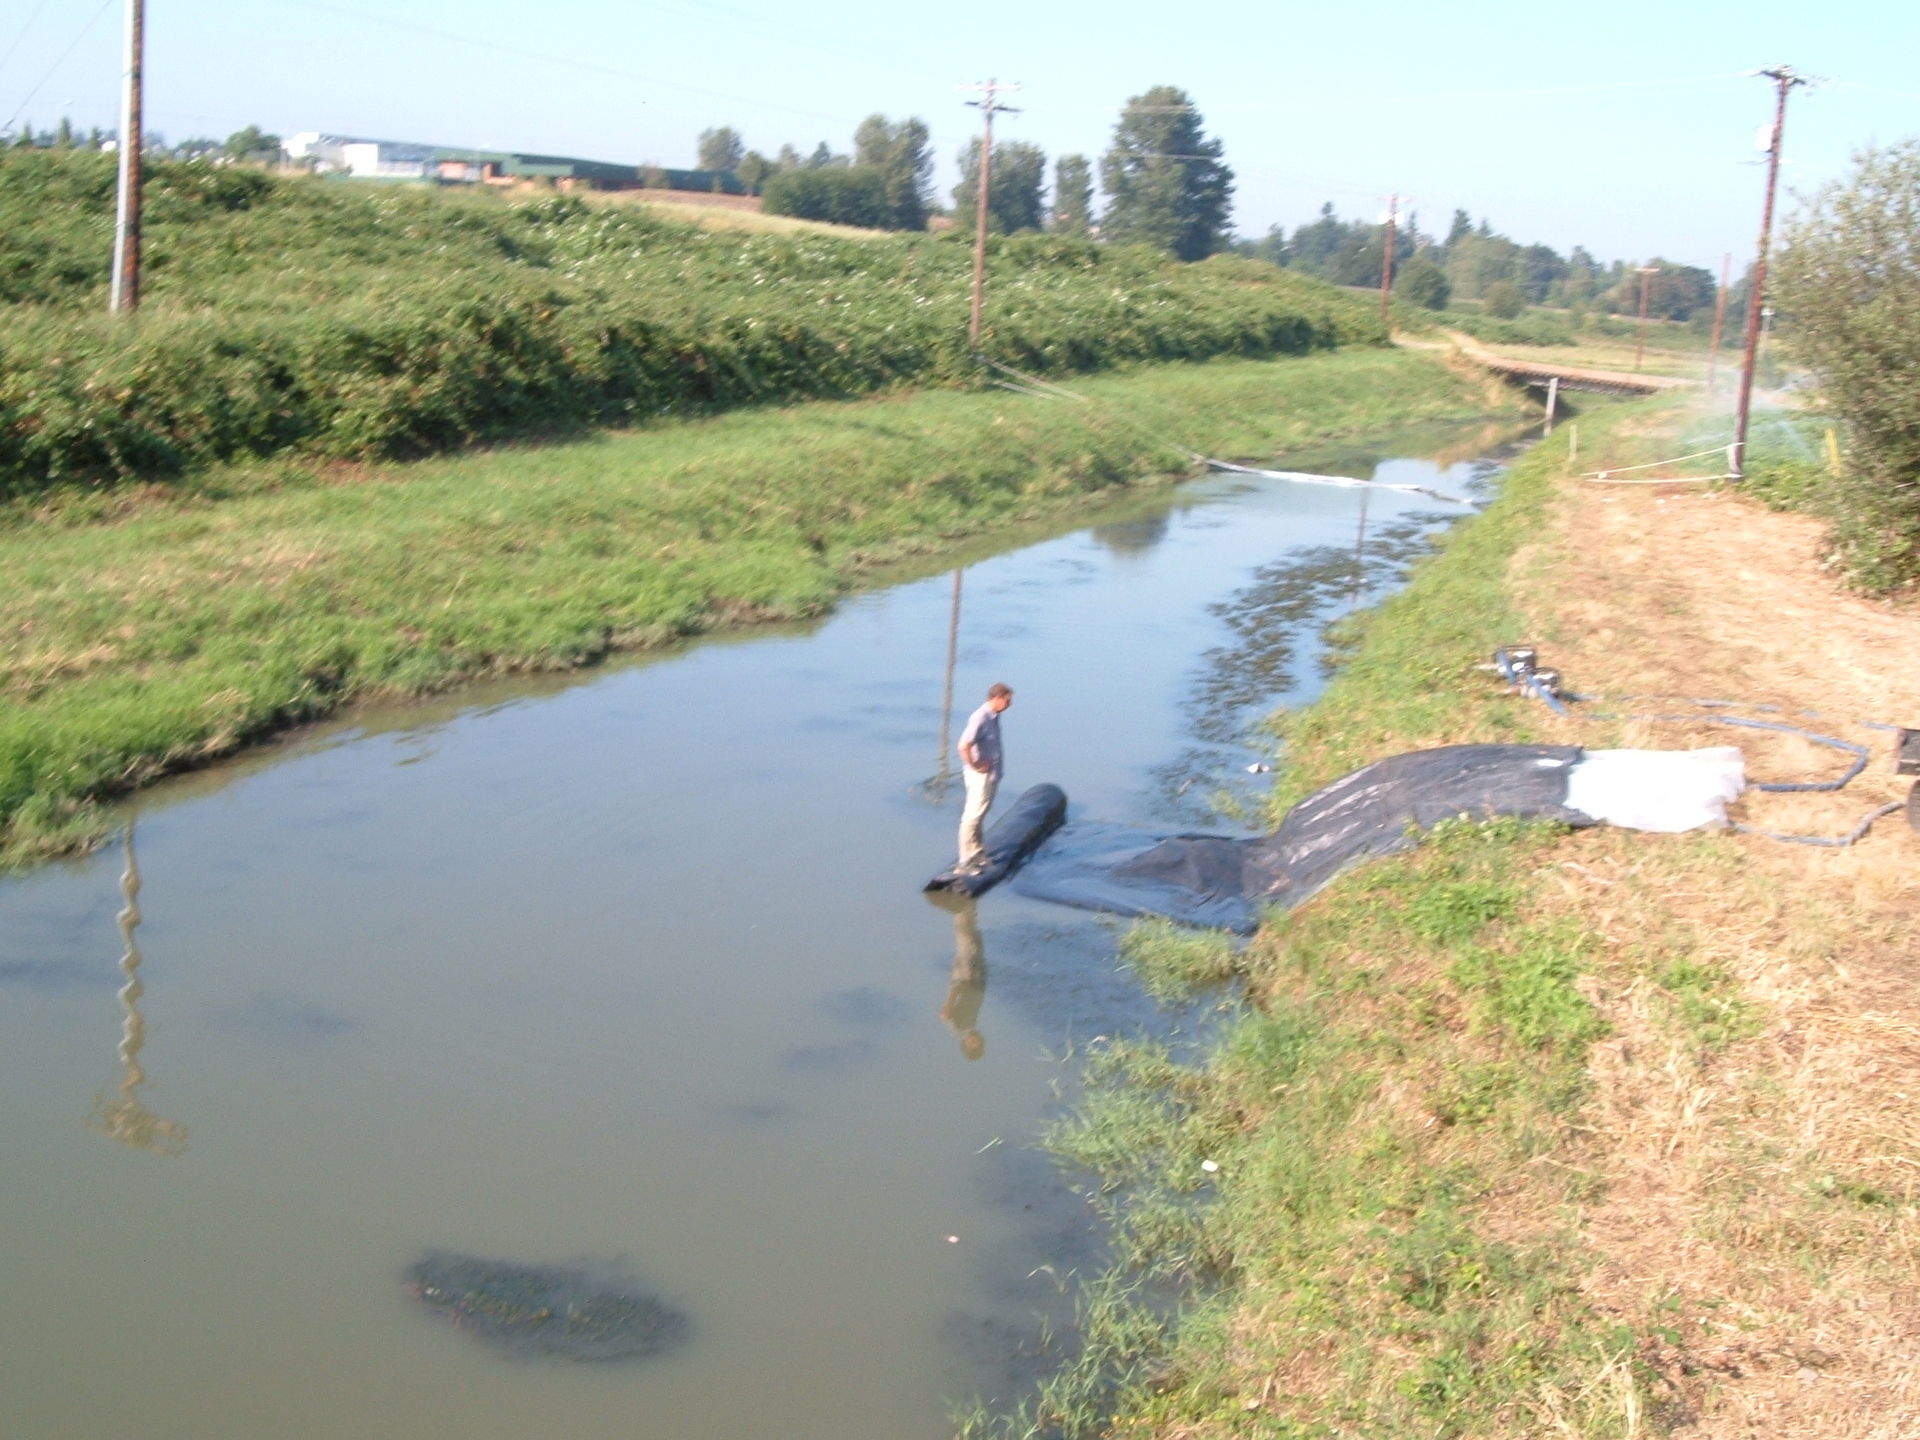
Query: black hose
x=1835 y=842
x=1859 y=752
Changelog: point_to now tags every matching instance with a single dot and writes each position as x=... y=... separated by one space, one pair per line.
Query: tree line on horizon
x=252 y=143
x=1475 y=262
x=1165 y=180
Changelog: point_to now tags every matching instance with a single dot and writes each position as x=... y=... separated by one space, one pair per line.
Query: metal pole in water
x=127 y=1119
x=946 y=696
x=1359 y=549
x=1553 y=401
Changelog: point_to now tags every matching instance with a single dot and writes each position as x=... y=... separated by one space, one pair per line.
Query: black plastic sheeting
x=1222 y=882
x=1009 y=841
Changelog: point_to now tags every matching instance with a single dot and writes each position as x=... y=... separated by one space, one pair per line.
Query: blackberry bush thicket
x=1848 y=288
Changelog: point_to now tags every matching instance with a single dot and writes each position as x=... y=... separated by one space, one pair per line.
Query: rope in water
x=1033 y=385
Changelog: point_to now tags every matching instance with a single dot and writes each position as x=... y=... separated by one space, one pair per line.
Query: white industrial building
x=368 y=159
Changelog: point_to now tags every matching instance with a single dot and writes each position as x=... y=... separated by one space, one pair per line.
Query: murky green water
x=633 y=972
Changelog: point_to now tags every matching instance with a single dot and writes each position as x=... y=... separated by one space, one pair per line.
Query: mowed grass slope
x=357 y=320
x=146 y=631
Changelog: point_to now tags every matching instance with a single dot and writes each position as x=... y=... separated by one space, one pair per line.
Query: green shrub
x=1849 y=292
x=1503 y=300
x=838 y=194
x=1423 y=283
x=1529 y=329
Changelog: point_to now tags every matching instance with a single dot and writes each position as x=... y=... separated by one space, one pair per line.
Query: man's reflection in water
x=967 y=987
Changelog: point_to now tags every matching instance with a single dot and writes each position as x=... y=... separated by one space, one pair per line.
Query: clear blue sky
x=1626 y=128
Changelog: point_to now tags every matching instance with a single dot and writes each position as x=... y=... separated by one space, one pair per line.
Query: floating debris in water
x=546 y=1309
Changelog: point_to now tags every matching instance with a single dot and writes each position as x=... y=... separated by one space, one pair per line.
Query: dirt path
x=1759 y=1194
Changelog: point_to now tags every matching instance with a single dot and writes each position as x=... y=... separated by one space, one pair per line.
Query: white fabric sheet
x=1666 y=790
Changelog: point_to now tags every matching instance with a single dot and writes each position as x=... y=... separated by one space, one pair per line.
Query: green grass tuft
x=1172 y=961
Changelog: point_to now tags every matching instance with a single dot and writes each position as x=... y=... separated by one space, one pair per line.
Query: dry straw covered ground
x=1760 y=1170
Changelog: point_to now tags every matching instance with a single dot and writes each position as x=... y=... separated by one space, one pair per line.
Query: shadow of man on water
x=967 y=985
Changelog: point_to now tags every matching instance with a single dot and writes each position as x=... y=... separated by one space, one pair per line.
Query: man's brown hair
x=996 y=690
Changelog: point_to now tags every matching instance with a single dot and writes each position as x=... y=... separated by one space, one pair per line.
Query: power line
x=889 y=63
x=23 y=34
x=568 y=61
x=1348 y=101
x=55 y=67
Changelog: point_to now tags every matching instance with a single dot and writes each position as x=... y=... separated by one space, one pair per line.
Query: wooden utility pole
x=1719 y=320
x=988 y=105
x=1640 y=331
x=1386 y=263
x=123 y=296
x=1784 y=79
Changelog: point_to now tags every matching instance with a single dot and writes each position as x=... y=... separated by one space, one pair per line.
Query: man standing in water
x=980 y=758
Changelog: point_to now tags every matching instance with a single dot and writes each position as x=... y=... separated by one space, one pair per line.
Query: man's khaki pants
x=980 y=788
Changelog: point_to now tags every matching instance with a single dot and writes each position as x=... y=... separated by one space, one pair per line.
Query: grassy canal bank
x=148 y=629
x=1597 y=1134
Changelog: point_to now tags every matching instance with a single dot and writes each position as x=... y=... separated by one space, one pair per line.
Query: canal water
x=630 y=972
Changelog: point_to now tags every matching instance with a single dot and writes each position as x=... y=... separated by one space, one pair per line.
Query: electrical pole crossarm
x=988 y=105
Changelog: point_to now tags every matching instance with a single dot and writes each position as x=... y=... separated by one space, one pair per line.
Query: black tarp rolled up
x=1009 y=841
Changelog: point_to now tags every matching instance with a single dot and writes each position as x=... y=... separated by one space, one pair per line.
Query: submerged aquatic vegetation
x=550 y=1310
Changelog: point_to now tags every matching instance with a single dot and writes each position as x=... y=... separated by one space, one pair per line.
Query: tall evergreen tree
x=1166 y=184
x=1072 y=195
x=1014 y=193
x=899 y=151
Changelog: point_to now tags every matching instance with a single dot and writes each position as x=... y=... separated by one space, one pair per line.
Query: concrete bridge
x=1598 y=382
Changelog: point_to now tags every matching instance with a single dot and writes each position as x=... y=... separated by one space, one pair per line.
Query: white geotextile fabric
x=1667 y=790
